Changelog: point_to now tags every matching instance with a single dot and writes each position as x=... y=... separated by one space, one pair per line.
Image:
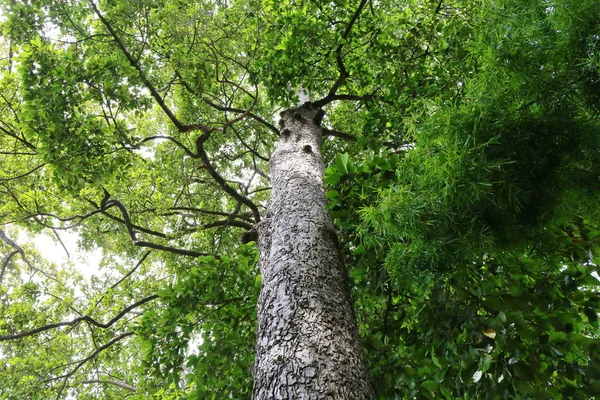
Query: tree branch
x=5 y=263
x=338 y=52
x=220 y=181
x=20 y=250
x=134 y=63
x=127 y=275
x=341 y=135
x=78 y=320
x=183 y=252
x=172 y=139
x=240 y=111
x=121 y=384
x=131 y=230
x=88 y=358
x=22 y=175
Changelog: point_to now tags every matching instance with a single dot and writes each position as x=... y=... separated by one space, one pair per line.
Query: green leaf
x=556 y=336
x=341 y=162
x=430 y=385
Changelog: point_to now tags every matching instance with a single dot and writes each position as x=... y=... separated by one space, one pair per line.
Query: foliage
x=467 y=206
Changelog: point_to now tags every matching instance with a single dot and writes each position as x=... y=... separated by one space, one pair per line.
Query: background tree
x=465 y=194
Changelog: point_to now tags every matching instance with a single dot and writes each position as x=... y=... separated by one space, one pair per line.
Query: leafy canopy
x=467 y=206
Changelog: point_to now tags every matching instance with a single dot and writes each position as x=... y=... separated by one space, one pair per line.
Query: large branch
x=221 y=181
x=78 y=320
x=107 y=203
x=345 y=136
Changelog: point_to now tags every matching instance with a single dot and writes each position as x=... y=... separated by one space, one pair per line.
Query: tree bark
x=307 y=339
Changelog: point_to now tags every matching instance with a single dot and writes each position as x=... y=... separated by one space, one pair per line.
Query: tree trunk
x=307 y=339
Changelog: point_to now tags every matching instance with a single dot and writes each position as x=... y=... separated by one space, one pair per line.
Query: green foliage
x=467 y=207
x=483 y=239
x=221 y=296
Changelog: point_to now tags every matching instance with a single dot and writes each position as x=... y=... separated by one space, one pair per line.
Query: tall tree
x=458 y=144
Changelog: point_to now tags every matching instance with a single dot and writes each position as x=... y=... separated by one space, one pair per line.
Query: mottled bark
x=307 y=340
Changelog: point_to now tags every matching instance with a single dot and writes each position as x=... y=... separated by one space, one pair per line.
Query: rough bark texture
x=307 y=340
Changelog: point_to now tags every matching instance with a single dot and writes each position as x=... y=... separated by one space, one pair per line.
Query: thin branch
x=172 y=139
x=240 y=111
x=225 y=222
x=252 y=150
x=127 y=275
x=338 y=52
x=134 y=63
x=5 y=263
x=210 y=212
x=23 y=175
x=88 y=358
x=61 y=242
x=78 y=320
x=121 y=384
x=131 y=227
x=105 y=204
x=20 y=250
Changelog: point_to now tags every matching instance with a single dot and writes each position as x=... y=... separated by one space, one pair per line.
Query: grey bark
x=307 y=339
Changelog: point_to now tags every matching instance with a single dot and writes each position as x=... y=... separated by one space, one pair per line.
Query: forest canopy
x=461 y=144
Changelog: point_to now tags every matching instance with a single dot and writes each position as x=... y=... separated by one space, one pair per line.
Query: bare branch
x=127 y=275
x=225 y=222
x=240 y=111
x=172 y=139
x=174 y=250
x=61 y=242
